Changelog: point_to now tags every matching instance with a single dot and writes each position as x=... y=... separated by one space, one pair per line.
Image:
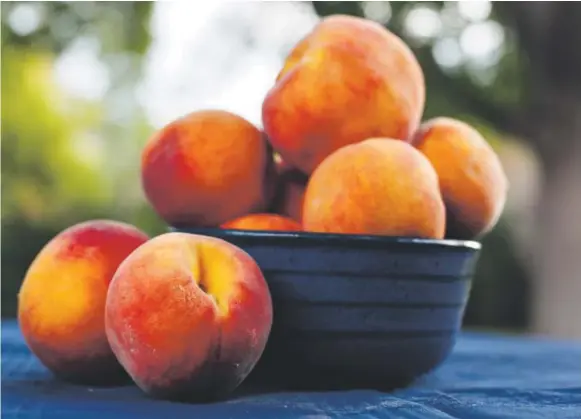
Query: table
x=487 y=376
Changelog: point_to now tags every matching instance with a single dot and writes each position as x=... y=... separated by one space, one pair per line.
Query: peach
x=376 y=187
x=348 y=80
x=61 y=303
x=472 y=180
x=206 y=168
x=188 y=316
x=290 y=190
x=263 y=222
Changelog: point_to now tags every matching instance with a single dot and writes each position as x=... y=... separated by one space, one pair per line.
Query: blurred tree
x=549 y=38
x=53 y=26
x=62 y=156
x=517 y=66
x=41 y=175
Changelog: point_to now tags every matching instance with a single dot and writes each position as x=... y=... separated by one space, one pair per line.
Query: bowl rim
x=330 y=239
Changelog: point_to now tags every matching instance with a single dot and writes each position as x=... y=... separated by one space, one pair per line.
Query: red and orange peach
x=263 y=222
x=61 y=303
x=472 y=180
x=188 y=316
x=376 y=187
x=206 y=168
x=348 y=80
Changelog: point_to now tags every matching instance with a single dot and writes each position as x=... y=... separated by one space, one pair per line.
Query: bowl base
x=378 y=367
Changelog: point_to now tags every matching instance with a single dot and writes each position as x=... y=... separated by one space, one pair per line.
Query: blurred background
x=85 y=83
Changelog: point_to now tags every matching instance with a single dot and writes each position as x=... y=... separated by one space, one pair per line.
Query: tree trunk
x=556 y=273
x=548 y=34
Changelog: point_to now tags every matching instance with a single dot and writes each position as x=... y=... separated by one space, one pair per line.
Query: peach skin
x=472 y=179
x=188 y=316
x=263 y=222
x=377 y=187
x=61 y=303
x=348 y=80
x=206 y=168
x=290 y=190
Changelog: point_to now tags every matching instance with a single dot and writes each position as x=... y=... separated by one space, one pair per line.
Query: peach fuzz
x=290 y=190
x=206 y=168
x=263 y=222
x=472 y=179
x=61 y=303
x=348 y=80
x=377 y=187
x=188 y=316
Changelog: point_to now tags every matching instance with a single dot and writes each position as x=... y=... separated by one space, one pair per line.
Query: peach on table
x=188 y=316
x=61 y=302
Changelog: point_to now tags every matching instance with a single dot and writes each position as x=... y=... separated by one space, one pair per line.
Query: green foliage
x=42 y=176
x=48 y=181
x=119 y=25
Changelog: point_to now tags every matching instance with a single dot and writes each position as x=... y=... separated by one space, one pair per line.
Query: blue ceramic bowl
x=357 y=311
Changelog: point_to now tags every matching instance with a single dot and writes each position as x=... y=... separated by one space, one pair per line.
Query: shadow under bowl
x=356 y=311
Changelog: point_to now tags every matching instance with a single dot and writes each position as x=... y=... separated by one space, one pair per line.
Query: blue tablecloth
x=487 y=376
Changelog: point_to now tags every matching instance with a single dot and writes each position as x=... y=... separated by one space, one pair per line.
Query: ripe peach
x=188 y=316
x=263 y=222
x=206 y=168
x=290 y=190
x=61 y=302
x=378 y=187
x=348 y=80
x=472 y=179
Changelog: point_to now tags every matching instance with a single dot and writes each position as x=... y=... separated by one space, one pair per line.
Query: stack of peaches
x=343 y=150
